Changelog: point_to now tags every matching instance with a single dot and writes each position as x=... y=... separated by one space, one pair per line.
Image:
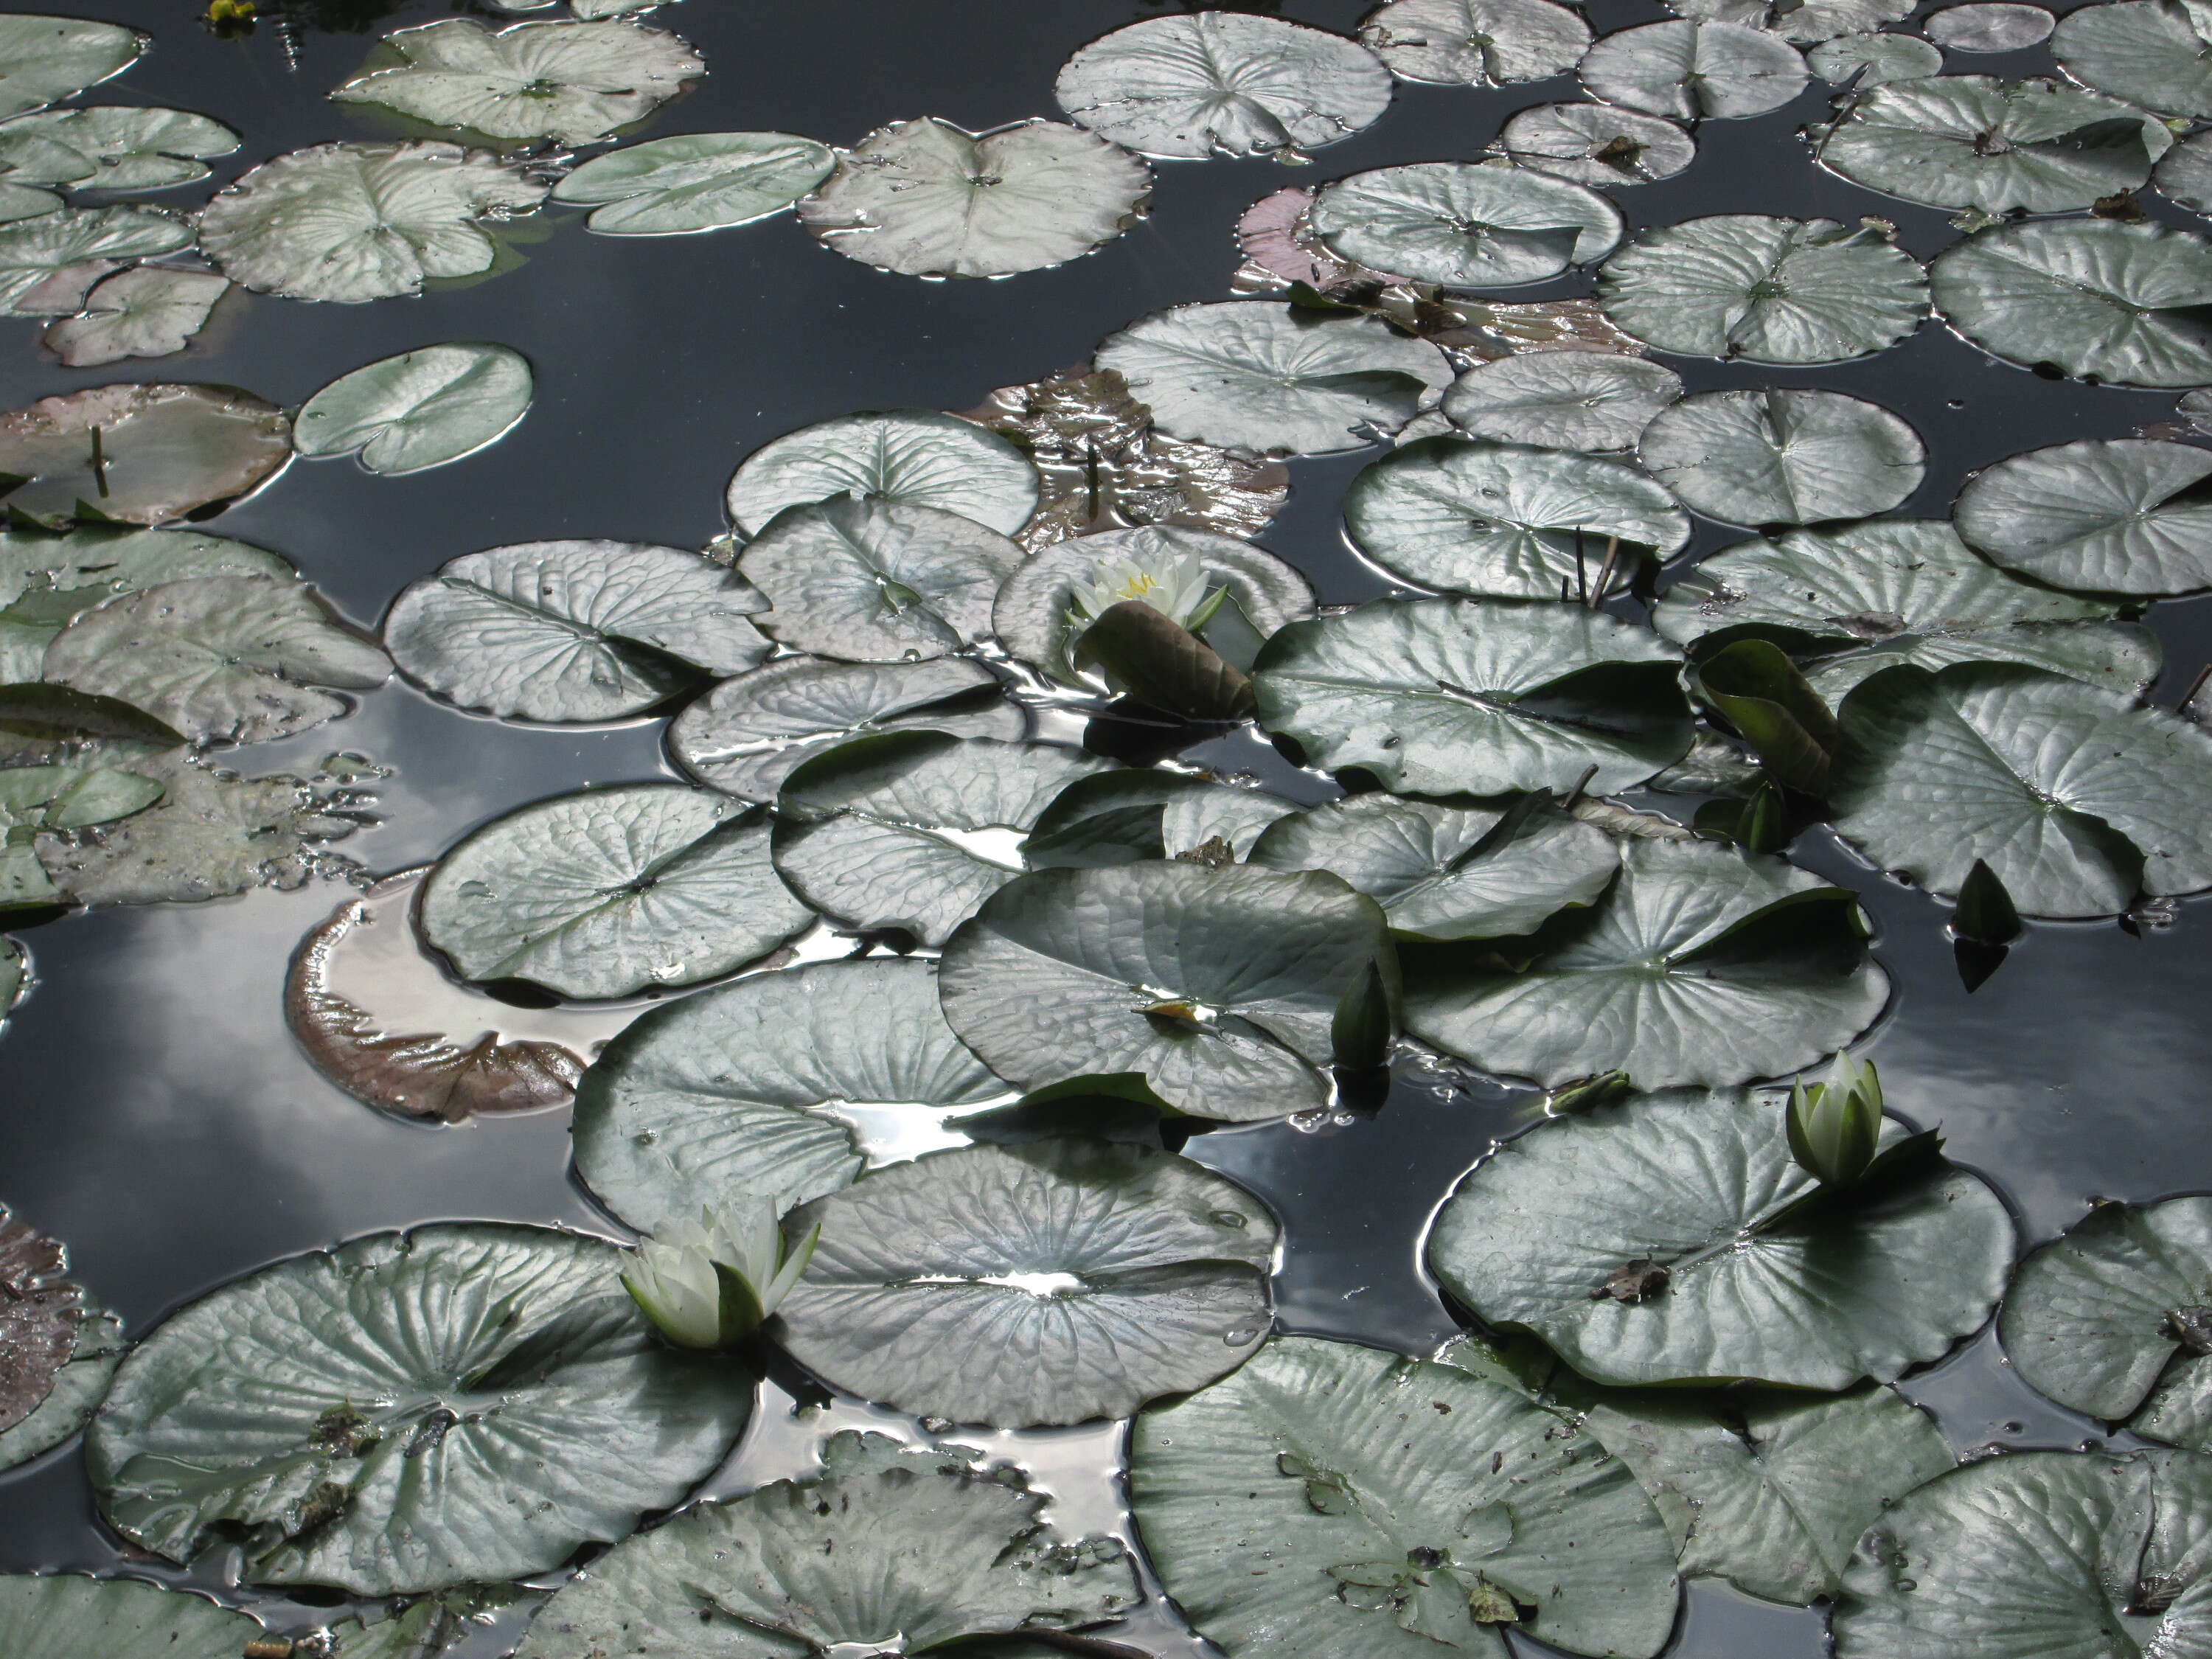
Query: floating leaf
x=698 y=181
x=1596 y=143
x=2156 y=54
x=1756 y=688
x=36 y=799
x=574 y=81
x=1445 y=698
x=1988 y=26
x=140 y=454
x=2113 y=516
x=1218 y=985
x=570 y=631
x=1810 y=21
x=110 y=147
x=1588 y=400
x=40 y=256
x=608 y=891
x=1700 y=965
x=1784 y=455
x=14 y=983
x=39 y=1312
x=928 y=1543
x=907 y=458
x=351 y=222
x=1221 y=83
x=2184 y=175
x=1743 y=285
x=65 y=1617
x=930 y=199
x=78 y=1389
x=770 y=1090
x=1464 y=224
x=1870 y=595
x=46 y=59
x=2073 y=795
x=877 y=581
x=1127 y=817
x=1104 y=1276
x=1968 y=140
x=419 y=409
x=1746 y=1270
x=1322 y=1502
x=1876 y=60
x=746 y=736
x=1692 y=70
x=1272 y=378
x=149 y=310
x=2092 y=297
x=409 y=1411
x=222 y=659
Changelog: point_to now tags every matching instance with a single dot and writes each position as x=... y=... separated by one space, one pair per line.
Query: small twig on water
x=1580 y=784
x=1605 y=573
x=1581 y=569
x=99 y=463
x=2195 y=686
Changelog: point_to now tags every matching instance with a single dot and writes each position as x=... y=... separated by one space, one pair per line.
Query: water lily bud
x=1835 y=1125
x=711 y=1284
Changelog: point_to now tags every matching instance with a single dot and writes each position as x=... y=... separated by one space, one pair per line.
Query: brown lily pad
x=140 y=454
x=38 y=1313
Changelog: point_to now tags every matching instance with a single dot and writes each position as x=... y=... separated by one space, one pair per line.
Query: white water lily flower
x=1172 y=584
x=708 y=1284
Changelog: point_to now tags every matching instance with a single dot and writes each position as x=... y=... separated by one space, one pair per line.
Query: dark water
x=154 y=1112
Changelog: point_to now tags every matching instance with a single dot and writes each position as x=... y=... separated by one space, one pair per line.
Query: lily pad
x=1222 y=83
x=1746 y=1268
x=745 y=736
x=1694 y=70
x=1246 y=374
x=1444 y=872
x=1596 y=143
x=1784 y=455
x=571 y=631
x=1968 y=140
x=2092 y=297
x=39 y=799
x=907 y=458
x=2076 y=796
x=1867 y=597
x=1586 y=400
x=1220 y=986
x=64 y=1617
x=222 y=659
x=876 y=580
x=1475 y=43
x=773 y=1088
x=1809 y=22
x=350 y=222
x=148 y=311
x=1322 y=1502
x=1988 y=26
x=419 y=409
x=40 y=1317
x=610 y=891
x=575 y=81
x=113 y=147
x=930 y=199
x=697 y=181
x=14 y=984
x=1464 y=224
x=929 y=1546
x=1876 y=60
x=2151 y=53
x=1045 y=1283
x=1452 y=697
x=1743 y=285
x=78 y=1389
x=1128 y=816
x=2184 y=175
x=1700 y=965
x=2114 y=516
x=409 y=1411
x=37 y=256
x=140 y=454
x=46 y=59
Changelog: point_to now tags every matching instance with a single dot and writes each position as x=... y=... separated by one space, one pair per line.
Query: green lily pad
x=46 y=59
x=610 y=891
x=140 y=454
x=65 y=1617
x=1220 y=986
x=350 y=222
x=1596 y=143
x=1246 y=374
x=769 y=1089
x=875 y=580
x=1464 y=224
x=2184 y=175
x=1743 y=285
x=77 y=1390
x=1988 y=26
x=38 y=799
x=2114 y=516
x=1868 y=597
x=2153 y=54
x=1128 y=815
x=148 y=311
x=1507 y=520
x=1476 y=696
x=1444 y=872
x=585 y=630
x=1877 y=60
x=468 y=1402
x=930 y=199
x=1699 y=965
x=1106 y=1275
x=1222 y=83
x=1968 y=140
x=908 y=457
x=1812 y=21
x=112 y=148
x=1694 y=70
x=1784 y=455
x=697 y=181
x=1672 y=1238
x=2093 y=297
x=2076 y=796
x=38 y=255
x=574 y=82
x=1586 y=400
x=14 y=983
x=1475 y=43
x=1322 y=1502
x=929 y=1546
x=745 y=736
x=419 y=409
